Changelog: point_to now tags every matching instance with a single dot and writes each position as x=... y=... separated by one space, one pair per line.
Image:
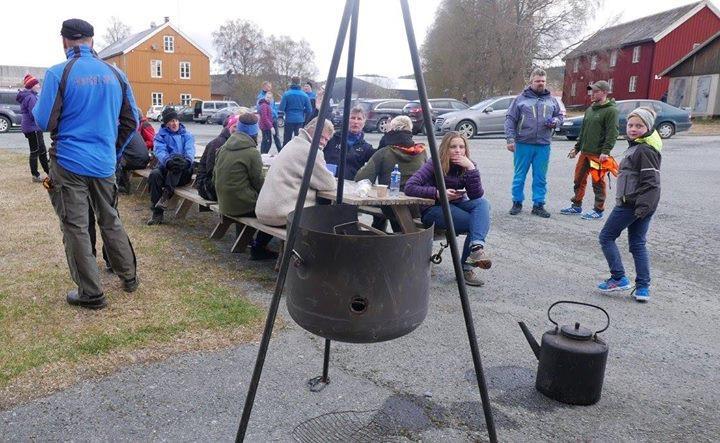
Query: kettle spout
x=531 y=340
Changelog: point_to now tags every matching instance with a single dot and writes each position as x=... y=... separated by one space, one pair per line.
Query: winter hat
x=75 y=29
x=169 y=114
x=248 y=124
x=647 y=115
x=29 y=81
x=232 y=120
x=401 y=123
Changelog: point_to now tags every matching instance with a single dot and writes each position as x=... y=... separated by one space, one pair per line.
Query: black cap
x=169 y=114
x=75 y=29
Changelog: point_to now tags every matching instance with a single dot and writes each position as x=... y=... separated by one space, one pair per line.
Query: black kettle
x=572 y=361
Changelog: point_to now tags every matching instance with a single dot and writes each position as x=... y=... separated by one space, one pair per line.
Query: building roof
x=223 y=84
x=12 y=76
x=135 y=40
x=650 y=28
x=690 y=54
x=396 y=84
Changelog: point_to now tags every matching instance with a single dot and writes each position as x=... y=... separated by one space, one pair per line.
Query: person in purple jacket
x=470 y=211
x=264 y=107
x=27 y=98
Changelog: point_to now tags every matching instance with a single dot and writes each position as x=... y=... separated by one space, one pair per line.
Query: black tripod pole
x=450 y=231
x=293 y=228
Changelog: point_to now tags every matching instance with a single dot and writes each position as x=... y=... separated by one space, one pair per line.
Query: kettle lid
x=576 y=332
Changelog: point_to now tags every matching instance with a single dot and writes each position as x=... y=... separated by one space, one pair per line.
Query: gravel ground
x=662 y=371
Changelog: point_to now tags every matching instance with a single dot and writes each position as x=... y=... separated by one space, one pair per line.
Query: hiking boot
x=37 y=179
x=262 y=253
x=157 y=219
x=478 y=257
x=572 y=210
x=641 y=294
x=131 y=285
x=592 y=215
x=472 y=279
x=540 y=211
x=162 y=204
x=76 y=299
x=516 y=208
x=611 y=284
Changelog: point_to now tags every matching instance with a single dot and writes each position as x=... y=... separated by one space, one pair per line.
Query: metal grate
x=348 y=426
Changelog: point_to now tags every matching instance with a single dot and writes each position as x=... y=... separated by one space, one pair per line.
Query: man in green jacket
x=598 y=135
x=238 y=177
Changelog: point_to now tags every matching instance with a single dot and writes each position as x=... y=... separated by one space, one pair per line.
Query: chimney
x=167 y=19
x=152 y=25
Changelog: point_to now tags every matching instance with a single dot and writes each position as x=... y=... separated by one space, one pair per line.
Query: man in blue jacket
x=89 y=110
x=174 y=149
x=529 y=125
x=296 y=106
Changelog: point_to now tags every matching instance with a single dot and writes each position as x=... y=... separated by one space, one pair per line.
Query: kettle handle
x=583 y=304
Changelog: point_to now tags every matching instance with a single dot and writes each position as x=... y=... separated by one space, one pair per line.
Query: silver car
x=486 y=117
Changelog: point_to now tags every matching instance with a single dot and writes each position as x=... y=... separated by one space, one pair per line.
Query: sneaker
x=516 y=208
x=641 y=294
x=157 y=219
x=472 y=279
x=592 y=215
x=37 y=179
x=478 y=257
x=572 y=210
x=611 y=285
x=257 y=253
x=540 y=211
x=76 y=299
x=131 y=285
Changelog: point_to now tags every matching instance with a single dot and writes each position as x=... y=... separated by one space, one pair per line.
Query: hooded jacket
x=358 y=153
x=170 y=144
x=295 y=104
x=382 y=163
x=265 y=122
x=238 y=175
x=638 y=183
x=27 y=99
x=206 y=165
x=526 y=119
x=599 y=130
x=423 y=183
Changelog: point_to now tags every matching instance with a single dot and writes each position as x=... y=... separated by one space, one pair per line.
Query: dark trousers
x=266 y=141
x=37 y=152
x=622 y=218
x=93 y=237
x=276 y=136
x=290 y=130
x=73 y=196
x=582 y=170
x=262 y=239
x=163 y=179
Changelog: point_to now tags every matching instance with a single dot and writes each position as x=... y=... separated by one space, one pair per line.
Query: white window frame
x=613 y=58
x=632 y=86
x=610 y=82
x=188 y=71
x=155 y=66
x=185 y=98
x=573 y=90
x=636 y=54
x=576 y=65
x=169 y=43
x=154 y=96
x=593 y=62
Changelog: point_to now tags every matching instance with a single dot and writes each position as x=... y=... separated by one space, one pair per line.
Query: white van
x=203 y=109
x=155 y=113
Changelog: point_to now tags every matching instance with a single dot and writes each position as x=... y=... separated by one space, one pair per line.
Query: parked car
x=438 y=106
x=486 y=117
x=669 y=119
x=204 y=109
x=155 y=113
x=186 y=114
x=219 y=117
x=379 y=112
x=10 y=115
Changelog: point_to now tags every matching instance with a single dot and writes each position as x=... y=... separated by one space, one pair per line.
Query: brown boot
x=478 y=257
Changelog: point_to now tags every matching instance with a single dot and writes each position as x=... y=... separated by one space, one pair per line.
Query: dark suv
x=438 y=106
x=9 y=110
x=379 y=112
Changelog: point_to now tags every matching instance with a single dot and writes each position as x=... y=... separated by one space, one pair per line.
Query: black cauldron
x=350 y=283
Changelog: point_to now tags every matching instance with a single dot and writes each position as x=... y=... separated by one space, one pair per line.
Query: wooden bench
x=189 y=196
x=144 y=174
x=247 y=228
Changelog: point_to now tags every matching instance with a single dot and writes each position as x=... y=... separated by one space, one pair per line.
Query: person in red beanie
x=27 y=98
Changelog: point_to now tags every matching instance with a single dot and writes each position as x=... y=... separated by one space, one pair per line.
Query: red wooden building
x=630 y=56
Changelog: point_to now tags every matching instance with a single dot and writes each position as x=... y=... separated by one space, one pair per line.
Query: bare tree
x=487 y=47
x=285 y=57
x=240 y=46
x=116 y=31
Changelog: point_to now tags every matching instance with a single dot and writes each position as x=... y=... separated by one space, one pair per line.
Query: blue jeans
x=469 y=216
x=537 y=156
x=619 y=219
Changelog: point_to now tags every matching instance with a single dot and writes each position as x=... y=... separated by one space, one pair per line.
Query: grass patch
x=186 y=300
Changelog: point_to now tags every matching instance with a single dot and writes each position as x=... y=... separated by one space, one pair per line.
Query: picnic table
x=401 y=205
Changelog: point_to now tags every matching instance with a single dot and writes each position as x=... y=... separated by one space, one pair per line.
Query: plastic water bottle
x=395 y=181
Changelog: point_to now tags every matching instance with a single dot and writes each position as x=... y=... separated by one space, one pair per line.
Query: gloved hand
x=177 y=163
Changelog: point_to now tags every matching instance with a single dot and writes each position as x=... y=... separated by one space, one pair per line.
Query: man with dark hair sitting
x=175 y=151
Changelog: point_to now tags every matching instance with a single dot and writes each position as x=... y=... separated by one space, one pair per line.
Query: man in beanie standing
x=28 y=98
x=88 y=108
x=598 y=135
x=174 y=149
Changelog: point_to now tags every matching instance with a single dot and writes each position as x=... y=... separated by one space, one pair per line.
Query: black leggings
x=37 y=152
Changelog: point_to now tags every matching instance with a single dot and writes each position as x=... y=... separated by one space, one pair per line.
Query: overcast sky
x=31 y=36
